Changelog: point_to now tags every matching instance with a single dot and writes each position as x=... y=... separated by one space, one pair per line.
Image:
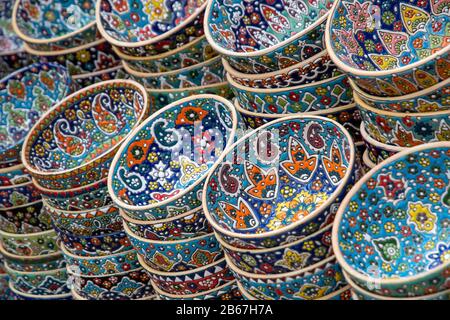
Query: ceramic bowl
x=87 y=58
x=268 y=35
x=17 y=295
x=228 y=291
x=183 y=226
x=310 y=283
x=88 y=222
x=41 y=283
x=29 y=218
x=25 y=95
x=201 y=74
x=88 y=79
x=177 y=255
x=325 y=94
x=383 y=48
x=91 y=196
x=73 y=144
x=76 y=296
x=368 y=164
x=391 y=231
x=30 y=244
x=192 y=53
x=377 y=151
x=46 y=262
x=101 y=265
x=55 y=25
x=195 y=281
x=432 y=99
x=279 y=183
x=314 y=69
x=289 y=257
x=15 y=174
x=144 y=29
x=150 y=178
x=12 y=61
x=130 y=285
x=404 y=129
x=18 y=195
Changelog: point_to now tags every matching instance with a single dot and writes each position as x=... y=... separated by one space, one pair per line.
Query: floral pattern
x=29 y=218
x=226 y=292
x=31 y=244
x=18 y=195
x=14 y=175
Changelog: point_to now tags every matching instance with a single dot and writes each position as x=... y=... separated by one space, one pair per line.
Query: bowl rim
x=163 y=36
x=29 y=39
x=144 y=123
x=103 y=275
x=96 y=73
x=76 y=296
x=193 y=295
x=10 y=270
x=366 y=160
x=188 y=89
x=344 y=203
x=26 y=235
x=358 y=72
x=66 y=252
x=76 y=95
x=62 y=193
x=35 y=52
x=14 y=186
x=129 y=219
x=46 y=297
x=337 y=192
x=76 y=236
x=28 y=204
x=58 y=212
x=18 y=166
x=367 y=138
x=257 y=53
x=16 y=257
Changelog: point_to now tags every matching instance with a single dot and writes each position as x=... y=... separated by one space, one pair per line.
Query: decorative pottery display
x=391 y=230
x=149 y=179
x=390 y=49
x=28 y=218
x=228 y=291
x=30 y=244
x=73 y=144
x=14 y=175
x=267 y=35
x=25 y=296
x=271 y=188
x=377 y=151
x=88 y=79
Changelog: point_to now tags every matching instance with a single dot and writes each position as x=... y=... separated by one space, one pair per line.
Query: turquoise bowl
x=391 y=232
x=228 y=291
x=150 y=179
x=15 y=174
x=390 y=49
x=377 y=151
x=279 y=183
x=268 y=35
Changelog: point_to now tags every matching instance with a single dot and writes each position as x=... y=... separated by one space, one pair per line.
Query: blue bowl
x=228 y=291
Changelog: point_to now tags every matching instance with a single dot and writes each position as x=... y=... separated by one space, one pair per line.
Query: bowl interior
x=85 y=126
x=379 y=35
x=252 y=26
x=397 y=223
x=143 y=20
x=173 y=151
x=279 y=175
x=43 y=19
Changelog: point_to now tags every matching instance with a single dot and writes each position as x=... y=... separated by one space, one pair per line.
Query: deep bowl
x=228 y=291
x=73 y=144
x=15 y=174
x=25 y=96
x=150 y=178
x=268 y=35
x=377 y=151
x=391 y=230
x=29 y=218
x=279 y=183
x=383 y=48
x=30 y=244
x=18 y=195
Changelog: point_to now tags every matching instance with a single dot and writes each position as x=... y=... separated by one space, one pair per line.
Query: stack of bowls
x=391 y=233
x=65 y=32
x=271 y=199
x=156 y=178
x=397 y=58
x=68 y=152
x=163 y=47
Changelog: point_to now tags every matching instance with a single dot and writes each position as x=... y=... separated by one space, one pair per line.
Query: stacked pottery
x=271 y=199
x=397 y=57
x=163 y=47
x=68 y=152
x=156 y=178
x=391 y=233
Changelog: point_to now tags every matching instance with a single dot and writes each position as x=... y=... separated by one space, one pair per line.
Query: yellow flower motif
x=358 y=236
x=389 y=227
x=353 y=206
x=424 y=162
x=434 y=197
x=153 y=185
x=422 y=217
x=152 y=157
x=308 y=245
x=155 y=9
x=429 y=245
x=287 y=191
x=83 y=56
x=321 y=91
x=386 y=267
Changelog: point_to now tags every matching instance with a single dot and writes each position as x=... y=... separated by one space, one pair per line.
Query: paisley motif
x=105 y=120
x=242 y=216
x=67 y=140
x=263 y=185
x=300 y=165
x=275 y=20
x=228 y=182
x=334 y=164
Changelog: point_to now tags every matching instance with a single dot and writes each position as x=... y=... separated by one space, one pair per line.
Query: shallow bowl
x=28 y=218
x=228 y=291
x=25 y=296
x=18 y=195
x=377 y=151
x=16 y=174
x=30 y=244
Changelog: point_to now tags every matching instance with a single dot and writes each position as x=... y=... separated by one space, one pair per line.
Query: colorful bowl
x=432 y=99
x=24 y=296
x=195 y=281
x=268 y=35
x=18 y=195
x=271 y=187
x=14 y=175
x=367 y=162
x=314 y=69
x=228 y=291
x=183 y=226
x=149 y=179
x=144 y=29
x=25 y=95
x=76 y=296
x=28 y=218
x=377 y=151
x=390 y=49
x=73 y=144
x=289 y=257
x=202 y=74
x=404 y=129
x=46 y=262
x=12 y=61
x=55 y=25
x=88 y=79
x=391 y=231
x=31 y=244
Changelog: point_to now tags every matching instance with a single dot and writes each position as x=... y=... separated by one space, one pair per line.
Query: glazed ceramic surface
x=390 y=48
x=18 y=195
x=30 y=245
x=391 y=233
x=377 y=151
x=225 y=292
x=326 y=94
x=266 y=36
x=34 y=264
x=88 y=79
x=155 y=175
x=14 y=175
x=25 y=95
x=73 y=144
x=10 y=62
x=29 y=218
x=279 y=183
x=10 y=42
x=16 y=295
